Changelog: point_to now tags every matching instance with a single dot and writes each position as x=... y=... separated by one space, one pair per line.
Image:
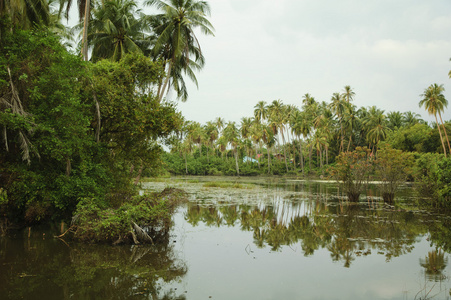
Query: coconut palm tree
x=278 y=118
x=26 y=14
x=348 y=93
x=211 y=133
x=117 y=28
x=376 y=127
x=256 y=133
x=175 y=28
x=350 y=122
x=410 y=118
x=395 y=120
x=260 y=111
x=434 y=102
x=232 y=135
x=245 y=130
x=269 y=140
x=338 y=107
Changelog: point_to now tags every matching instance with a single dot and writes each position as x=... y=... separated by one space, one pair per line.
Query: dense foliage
x=74 y=130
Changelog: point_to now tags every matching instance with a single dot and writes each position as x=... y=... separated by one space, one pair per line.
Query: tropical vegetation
x=79 y=130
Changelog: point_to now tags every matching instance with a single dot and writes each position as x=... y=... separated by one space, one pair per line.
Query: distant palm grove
x=80 y=128
x=301 y=140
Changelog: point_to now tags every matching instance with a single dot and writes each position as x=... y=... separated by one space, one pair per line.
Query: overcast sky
x=387 y=51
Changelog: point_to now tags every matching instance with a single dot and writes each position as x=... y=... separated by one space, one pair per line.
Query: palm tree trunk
x=444 y=129
x=284 y=151
x=166 y=81
x=439 y=131
x=349 y=144
x=300 y=155
x=269 y=159
x=327 y=155
x=310 y=158
x=84 y=52
x=236 y=162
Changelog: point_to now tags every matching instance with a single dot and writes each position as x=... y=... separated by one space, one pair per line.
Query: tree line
x=283 y=138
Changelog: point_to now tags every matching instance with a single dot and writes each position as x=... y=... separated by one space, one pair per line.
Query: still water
x=263 y=239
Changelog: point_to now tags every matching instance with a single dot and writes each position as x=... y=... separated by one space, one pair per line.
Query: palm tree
x=260 y=111
x=323 y=124
x=245 y=130
x=376 y=127
x=351 y=123
x=84 y=13
x=256 y=133
x=278 y=118
x=232 y=135
x=434 y=102
x=212 y=133
x=269 y=139
x=338 y=107
x=395 y=120
x=26 y=14
x=116 y=30
x=219 y=122
x=410 y=118
x=177 y=42
x=348 y=93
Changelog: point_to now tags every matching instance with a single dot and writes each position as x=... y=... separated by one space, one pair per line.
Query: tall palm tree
x=116 y=29
x=278 y=118
x=212 y=133
x=232 y=135
x=256 y=133
x=338 y=106
x=269 y=140
x=245 y=130
x=84 y=13
x=351 y=123
x=376 y=127
x=434 y=102
x=176 y=38
x=324 y=125
x=348 y=93
x=260 y=111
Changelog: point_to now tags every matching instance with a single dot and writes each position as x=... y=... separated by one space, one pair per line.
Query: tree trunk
x=444 y=129
x=439 y=131
x=166 y=81
x=269 y=160
x=284 y=152
x=84 y=52
x=300 y=155
x=310 y=158
x=236 y=162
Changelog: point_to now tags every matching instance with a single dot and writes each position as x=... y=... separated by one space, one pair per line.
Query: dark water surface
x=248 y=240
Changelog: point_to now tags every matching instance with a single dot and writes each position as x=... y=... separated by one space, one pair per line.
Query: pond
x=248 y=239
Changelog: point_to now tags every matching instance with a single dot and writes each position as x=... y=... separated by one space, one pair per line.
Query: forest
x=80 y=128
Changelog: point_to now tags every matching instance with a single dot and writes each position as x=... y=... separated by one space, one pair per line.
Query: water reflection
x=47 y=268
x=434 y=263
x=346 y=230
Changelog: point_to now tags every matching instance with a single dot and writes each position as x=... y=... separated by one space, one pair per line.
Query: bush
x=142 y=219
x=352 y=170
x=392 y=167
x=433 y=180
